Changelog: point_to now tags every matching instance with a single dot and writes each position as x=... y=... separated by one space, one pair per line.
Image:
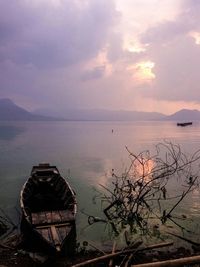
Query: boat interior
x=46 y=191
x=49 y=207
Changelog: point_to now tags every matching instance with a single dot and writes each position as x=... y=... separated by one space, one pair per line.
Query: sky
x=141 y=55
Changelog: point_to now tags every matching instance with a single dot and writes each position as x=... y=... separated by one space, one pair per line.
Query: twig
x=185 y=239
x=113 y=250
x=98 y=249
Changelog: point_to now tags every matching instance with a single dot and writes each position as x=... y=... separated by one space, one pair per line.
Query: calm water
x=84 y=151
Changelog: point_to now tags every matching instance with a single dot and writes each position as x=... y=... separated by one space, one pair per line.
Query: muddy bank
x=13 y=253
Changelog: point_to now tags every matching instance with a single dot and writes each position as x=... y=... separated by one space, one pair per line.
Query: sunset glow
x=143 y=71
x=142 y=168
x=196 y=36
x=84 y=52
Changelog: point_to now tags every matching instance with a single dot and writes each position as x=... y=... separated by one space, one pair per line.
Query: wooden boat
x=49 y=208
x=184 y=124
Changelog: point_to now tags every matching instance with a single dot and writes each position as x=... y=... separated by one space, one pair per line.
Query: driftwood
x=127 y=251
x=128 y=260
x=113 y=251
x=172 y=263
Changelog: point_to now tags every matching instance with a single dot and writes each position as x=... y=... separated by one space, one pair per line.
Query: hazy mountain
x=103 y=115
x=121 y=115
x=10 y=111
x=185 y=115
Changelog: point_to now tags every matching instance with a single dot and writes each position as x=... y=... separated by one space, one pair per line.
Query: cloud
x=44 y=46
x=164 y=32
x=95 y=73
x=50 y=36
x=99 y=54
x=176 y=57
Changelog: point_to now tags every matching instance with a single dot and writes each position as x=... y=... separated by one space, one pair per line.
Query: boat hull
x=37 y=241
x=183 y=124
x=48 y=211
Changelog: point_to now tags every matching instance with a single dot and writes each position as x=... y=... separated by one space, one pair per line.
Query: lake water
x=85 y=152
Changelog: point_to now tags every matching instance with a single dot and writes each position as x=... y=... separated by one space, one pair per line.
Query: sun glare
x=143 y=71
x=196 y=36
x=142 y=169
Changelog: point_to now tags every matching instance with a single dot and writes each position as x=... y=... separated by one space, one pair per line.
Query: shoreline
x=12 y=253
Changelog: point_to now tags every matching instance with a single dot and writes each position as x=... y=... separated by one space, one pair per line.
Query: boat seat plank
x=52 y=217
x=39 y=217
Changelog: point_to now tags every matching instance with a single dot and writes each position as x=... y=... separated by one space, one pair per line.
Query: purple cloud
x=50 y=37
x=176 y=57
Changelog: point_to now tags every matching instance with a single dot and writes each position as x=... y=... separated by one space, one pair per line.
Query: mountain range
x=10 y=111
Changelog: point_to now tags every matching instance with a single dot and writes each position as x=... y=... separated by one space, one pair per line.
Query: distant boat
x=48 y=210
x=184 y=124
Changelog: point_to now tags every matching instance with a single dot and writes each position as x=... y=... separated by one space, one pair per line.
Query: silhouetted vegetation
x=145 y=197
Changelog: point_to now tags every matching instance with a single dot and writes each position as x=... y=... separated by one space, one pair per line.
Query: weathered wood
x=42 y=209
x=55 y=236
x=113 y=250
x=52 y=217
x=45 y=233
x=57 y=225
x=128 y=251
x=63 y=231
x=171 y=263
x=42 y=217
x=34 y=218
x=66 y=215
x=56 y=216
x=48 y=217
x=128 y=260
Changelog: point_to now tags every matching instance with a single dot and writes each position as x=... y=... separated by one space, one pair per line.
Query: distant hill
x=103 y=115
x=10 y=111
x=185 y=115
x=121 y=115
